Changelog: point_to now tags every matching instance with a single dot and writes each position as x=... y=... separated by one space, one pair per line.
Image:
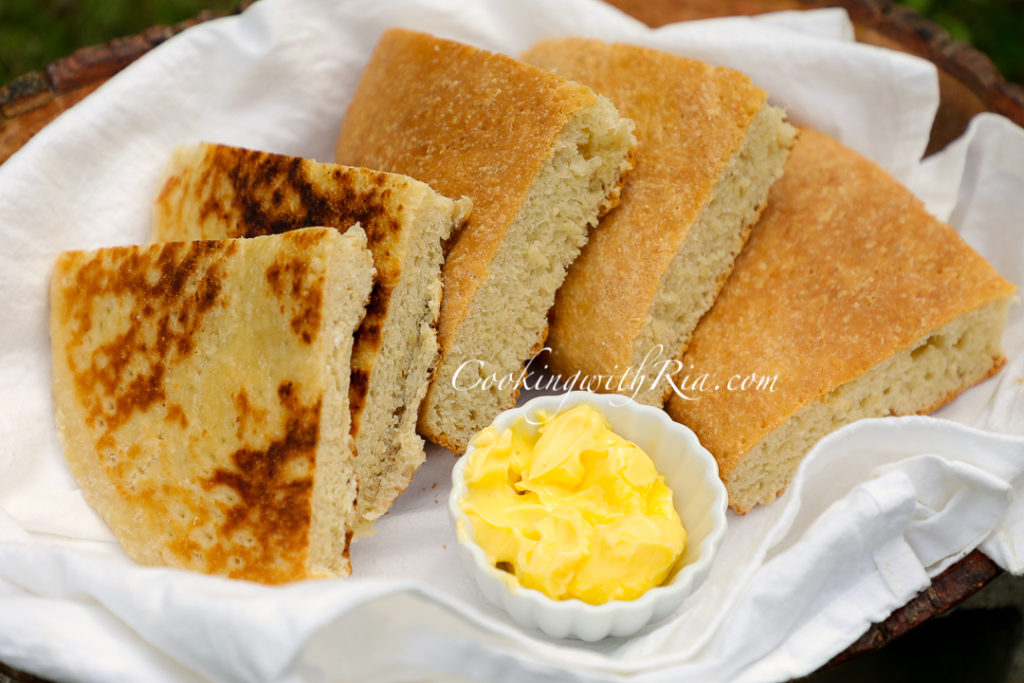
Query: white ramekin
x=699 y=496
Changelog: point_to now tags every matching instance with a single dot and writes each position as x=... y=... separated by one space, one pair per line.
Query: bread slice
x=849 y=301
x=201 y=395
x=541 y=159
x=215 y=192
x=709 y=149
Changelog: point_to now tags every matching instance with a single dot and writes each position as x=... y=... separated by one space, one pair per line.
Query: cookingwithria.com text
x=654 y=372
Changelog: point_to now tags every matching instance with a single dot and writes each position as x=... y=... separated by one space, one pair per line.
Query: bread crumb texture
x=859 y=301
x=540 y=157
x=708 y=150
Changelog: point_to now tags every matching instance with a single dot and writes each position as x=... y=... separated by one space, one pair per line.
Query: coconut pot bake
x=709 y=147
x=216 y=192
x=201 y=396
x=856 y=300
x=541 y=157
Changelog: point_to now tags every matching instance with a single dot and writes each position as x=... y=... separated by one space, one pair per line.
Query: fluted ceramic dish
x=698 y=494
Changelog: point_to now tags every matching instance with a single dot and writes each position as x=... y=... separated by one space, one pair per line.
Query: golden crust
x=215 y=192
x=194 y=460
x=469 y=123
x=844 y=270
x=691 y=118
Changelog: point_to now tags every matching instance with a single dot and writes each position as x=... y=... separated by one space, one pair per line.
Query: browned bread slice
x=856 y=300
x=541 y=158
x=709 y=147
x=215 y=192
x=201 y=396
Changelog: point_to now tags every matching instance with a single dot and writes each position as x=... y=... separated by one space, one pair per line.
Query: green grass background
x=35 y=32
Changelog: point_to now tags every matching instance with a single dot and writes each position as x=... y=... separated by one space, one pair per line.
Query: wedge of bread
x=201 y=396
x=852 y=301
x=542 y=158
x=215 y=192
x=709 y=149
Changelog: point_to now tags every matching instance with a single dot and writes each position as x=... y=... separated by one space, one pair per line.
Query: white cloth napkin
x=875 y=509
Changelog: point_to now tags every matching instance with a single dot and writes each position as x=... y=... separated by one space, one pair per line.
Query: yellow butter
x=574 y=511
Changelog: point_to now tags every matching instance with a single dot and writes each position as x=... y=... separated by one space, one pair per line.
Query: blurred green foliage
x=996 y=27
x=35 y=32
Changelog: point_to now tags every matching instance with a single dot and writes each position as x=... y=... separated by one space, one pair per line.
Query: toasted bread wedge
x=709 y=148
x=849 y=301
x=542 y=158
x=201 y=395
x=216 y=192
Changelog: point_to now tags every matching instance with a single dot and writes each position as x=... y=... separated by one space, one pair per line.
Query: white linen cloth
x=875 y=509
